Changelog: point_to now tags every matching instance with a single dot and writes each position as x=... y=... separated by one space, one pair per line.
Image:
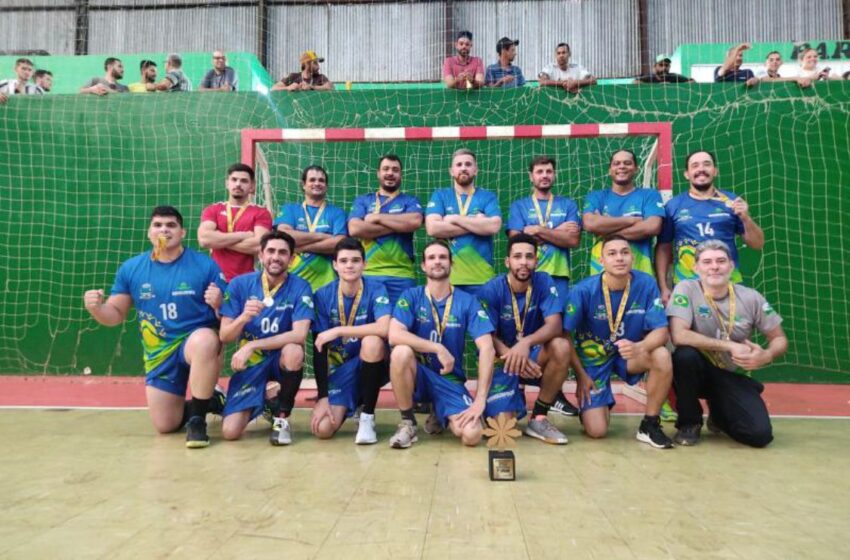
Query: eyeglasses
x=219 y=58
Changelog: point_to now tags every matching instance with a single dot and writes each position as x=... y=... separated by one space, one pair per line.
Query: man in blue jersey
x=177 y=294
x=428 y=333
x=525 y=308
x=467 y=217
x=636 y=214
x=620 y=328
x=385 y=222
x=702 y=213
x=316 y=226
x=352 y=319
x=269 y=313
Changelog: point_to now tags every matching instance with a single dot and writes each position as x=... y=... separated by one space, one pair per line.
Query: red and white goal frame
x=662 y=153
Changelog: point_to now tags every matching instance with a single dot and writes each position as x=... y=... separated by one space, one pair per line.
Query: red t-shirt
x=234 y=263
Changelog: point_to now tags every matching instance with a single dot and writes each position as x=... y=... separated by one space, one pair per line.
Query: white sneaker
x=281 y=433
x=405 y=435
x=366 y=431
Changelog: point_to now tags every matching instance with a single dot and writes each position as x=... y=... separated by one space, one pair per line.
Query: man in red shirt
x=463 y=71
x=232 y=229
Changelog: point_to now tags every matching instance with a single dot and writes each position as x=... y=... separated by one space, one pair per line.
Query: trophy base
x=502 y=465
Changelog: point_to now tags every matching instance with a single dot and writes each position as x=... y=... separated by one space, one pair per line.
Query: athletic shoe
x=281 y=433
x=650 y=432
x=432 y=425
x=563 y=407
x=219 y=399
x=196 y=433
x=543 y=430
x=366 y=430
x=712 y=426
x=404 y=436
x=667 y=413
x=688 y=435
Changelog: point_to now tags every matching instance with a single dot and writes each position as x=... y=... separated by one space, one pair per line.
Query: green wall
x=80 y=174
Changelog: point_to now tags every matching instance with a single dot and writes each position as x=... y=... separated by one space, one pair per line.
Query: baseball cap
x=662 y=58
x=310 y=56
x=505 y=43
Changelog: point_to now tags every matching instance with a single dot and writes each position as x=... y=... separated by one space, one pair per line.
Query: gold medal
x=438 y=325
x=725 y=330
x=519 y=322
x=614 y=324
x=313 y=224
x=340 y=301
x=543 y=219
x=463 y=209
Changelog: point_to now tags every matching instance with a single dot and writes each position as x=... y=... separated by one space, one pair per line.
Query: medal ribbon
x=440 y=326
x=340 y=301
x=726 y=330
x=614 y=324
x=231 y=220
x=379 y=205
x=312 y=224
x=161 y=241
x=267 y=293
x=542 y=219
x=519 y=323
x=463 y=209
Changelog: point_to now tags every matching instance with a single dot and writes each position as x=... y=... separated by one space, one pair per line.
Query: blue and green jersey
x=550 y=259
x=392 y=254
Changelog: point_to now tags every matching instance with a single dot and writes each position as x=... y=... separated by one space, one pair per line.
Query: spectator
x=569 y=75
x=463 y=71
x=17 y=86
x=109 y=82
x=175 y=79
x=809 y=67
x=504 y=74
x=731 y=71
x=661 y=73
x=308 y=78
x=770 y=73
x=222 y=77
x=43 y=82
x=147 y=68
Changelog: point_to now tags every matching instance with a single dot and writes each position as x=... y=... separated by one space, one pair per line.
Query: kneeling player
x=427 y=332
x=177 y=293
x=620 y=328
x=524 y=306
x=269 y=313
x=352 y=318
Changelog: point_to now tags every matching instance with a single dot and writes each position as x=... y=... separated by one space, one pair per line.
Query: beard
x=702 y=188
x=522 y=274
x=464 y=179
x=391 y=188
x=440 y=274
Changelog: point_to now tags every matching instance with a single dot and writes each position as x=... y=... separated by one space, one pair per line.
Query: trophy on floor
x=502 y=433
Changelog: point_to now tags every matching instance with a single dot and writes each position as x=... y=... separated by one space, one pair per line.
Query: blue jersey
x=293 y=302
x=472 y=255
x=550 y=259
x=587 y=317
x=169 y=299
x=465 y=316
x=640 y=203
x=688 y=222
x=392 y=254
x=314 y=268
x=495 y=297
x=374 y=304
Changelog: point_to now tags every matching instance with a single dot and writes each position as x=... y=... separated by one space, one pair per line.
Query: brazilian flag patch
x=681 y=300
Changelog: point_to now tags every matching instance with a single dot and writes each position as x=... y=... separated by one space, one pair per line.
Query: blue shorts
x=172 y=375
x=247 y=388
x=344 y=385
x=562 y=284
x=602 y=395
x=394 y=285
x=449 y=397
x=505 y=394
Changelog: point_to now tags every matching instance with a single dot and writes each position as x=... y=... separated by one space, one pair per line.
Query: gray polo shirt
x=752 y=311
x=116 y=87
x=215 y=81
x=178 y=80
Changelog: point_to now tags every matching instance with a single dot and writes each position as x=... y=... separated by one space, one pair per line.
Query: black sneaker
x=196 y=433
x=219 y=398
x=688 y=435
x=563 y=407
x=650 y=432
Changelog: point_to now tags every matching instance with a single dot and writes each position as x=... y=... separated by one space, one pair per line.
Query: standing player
x=385 y=222
x=467 y=218
x=177 y=293
x=428 y=332
x=620 y=328
x=702 y=213
x=352 y=318
x=525 y=308
x=232 y=229
x=316 y=227
x=625 y=210
x=269 y=312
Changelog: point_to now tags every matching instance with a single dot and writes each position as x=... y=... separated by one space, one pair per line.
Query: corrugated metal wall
x=405 y=41
x=673 y=22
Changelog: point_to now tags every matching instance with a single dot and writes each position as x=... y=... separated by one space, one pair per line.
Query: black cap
x=505 y=43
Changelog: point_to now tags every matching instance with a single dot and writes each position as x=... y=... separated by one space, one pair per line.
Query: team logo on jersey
x=571 y=309
x=681 y=300
x=554 y=291
x=222 y=277
x=768 y=310
x=431 y=204
x=403 y=303
x=656 y=303
x=659 y=204
x=308 y=301
x=482 y=314
x=683 y=215
x=183 y=289
x=600 y=314
x=635 y=309
x=383 y=300
x=703 y=311
x=146 y=291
